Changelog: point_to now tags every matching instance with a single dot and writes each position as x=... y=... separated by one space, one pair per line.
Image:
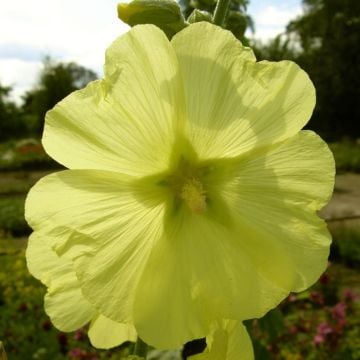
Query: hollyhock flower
x=192 y=194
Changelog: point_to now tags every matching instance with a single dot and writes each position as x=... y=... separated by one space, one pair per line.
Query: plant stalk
x=221 y=12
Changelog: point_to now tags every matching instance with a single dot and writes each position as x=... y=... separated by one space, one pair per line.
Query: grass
x=12 y=221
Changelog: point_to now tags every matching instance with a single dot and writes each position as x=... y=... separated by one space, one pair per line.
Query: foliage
x=325 y=41
x=24 y=154
x=320 y=323
x=10 y=116
x=237 y=22
x=347 y=155
x=346 y=245
x=56 y=81
x=329 y=33
x=24 y=327
x=277 y=49
x=12 y=216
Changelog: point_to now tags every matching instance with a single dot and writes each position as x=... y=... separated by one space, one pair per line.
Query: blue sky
x=80 y=30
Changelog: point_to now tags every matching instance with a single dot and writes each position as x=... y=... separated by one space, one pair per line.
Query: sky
x=81 y=30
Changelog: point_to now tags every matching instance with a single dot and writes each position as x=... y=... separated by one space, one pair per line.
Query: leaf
x=272 y=323
x=199 y=15
x=260 y=351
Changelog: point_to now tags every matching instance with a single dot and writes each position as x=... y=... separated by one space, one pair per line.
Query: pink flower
x=318 y=339
x=79 y=335
x=338 y=312
x=324 y=329
x=76 y=353
x=349 y=295
x=292 y=298
x=316 y=297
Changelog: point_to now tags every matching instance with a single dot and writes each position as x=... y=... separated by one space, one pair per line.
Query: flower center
x=193 y=194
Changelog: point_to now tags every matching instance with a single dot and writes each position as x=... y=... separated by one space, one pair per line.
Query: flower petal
x=229 y=341
x=106 y=224
x=64 y=302
x=105 y=333
x=275 y=196
x=198 y=273
x=233 y=103
x=127 y=121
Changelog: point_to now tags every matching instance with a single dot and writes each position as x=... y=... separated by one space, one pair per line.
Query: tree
x=56 y=81
x=277 y=49
x=10 y=117
x=329 y=34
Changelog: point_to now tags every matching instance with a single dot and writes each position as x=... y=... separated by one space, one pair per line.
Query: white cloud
x=276 y=16
x=70 y=30
x=19 y=74
x=271 y=20
x=266 y=33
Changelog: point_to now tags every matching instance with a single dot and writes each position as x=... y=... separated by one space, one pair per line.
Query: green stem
x=221 y=12
x=2 y=352
x=141 y=348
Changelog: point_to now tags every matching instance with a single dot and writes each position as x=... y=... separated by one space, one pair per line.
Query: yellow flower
x=64 y=302
x=192 y=194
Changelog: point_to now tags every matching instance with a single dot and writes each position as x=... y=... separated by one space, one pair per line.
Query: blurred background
x=51 y=48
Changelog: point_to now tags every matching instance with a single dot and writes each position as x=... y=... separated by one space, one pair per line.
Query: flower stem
x=141 y=348
x=2 y=352
x=221 y=12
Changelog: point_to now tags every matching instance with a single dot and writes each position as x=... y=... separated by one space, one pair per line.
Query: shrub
x=12 y=220
x=346 y=246
x=347 y=155
x=24 y=154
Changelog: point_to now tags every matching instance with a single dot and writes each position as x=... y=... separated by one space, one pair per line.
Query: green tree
x=277 y=49
x=329 y=35
x=10 y=117
x=56 y=81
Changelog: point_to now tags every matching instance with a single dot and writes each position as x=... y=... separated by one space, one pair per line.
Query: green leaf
x=199 y=15
x=237 y=23
x=272 y=323
x=2 y=352
x=260 y=350
x=165 y=14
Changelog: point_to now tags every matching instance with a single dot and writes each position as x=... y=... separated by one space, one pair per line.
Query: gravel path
x=345 y=202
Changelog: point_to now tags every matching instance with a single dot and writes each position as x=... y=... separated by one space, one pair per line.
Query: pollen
x=193 y=194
